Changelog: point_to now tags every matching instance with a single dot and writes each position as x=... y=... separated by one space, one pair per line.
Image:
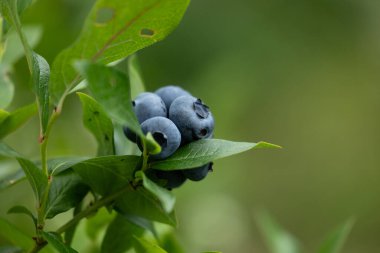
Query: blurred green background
x=304 y=74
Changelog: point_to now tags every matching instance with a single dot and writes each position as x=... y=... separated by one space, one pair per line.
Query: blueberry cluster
x=174 y=118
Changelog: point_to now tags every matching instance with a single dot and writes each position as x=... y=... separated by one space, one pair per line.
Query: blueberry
x=168 y=179
x=169 y=93
x=148 y=105
x=166 y=134
x=197 y=174
x=193 y=118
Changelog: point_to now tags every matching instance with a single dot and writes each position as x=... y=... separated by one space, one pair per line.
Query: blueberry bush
x=148 y=143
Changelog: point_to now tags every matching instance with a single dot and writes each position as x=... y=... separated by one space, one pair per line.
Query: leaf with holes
x=16 y=119
x=97 y=122
x=119 y=235
x=113 y=30
x=200 y=152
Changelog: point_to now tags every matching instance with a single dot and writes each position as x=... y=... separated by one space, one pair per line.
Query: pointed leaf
x=119 y=235
x=97 y=122
x=144 y=246
x=41 y=75
x=16 y=119
x=135 y=78
x=334 y=243
x=66 y=191
x=3 y=115
x=35 y=176
x=112 y=31
x=15 y=236
x=57 y=243
x=166 y=197
x=278 y=240
x=23 y=210
x=200 y=152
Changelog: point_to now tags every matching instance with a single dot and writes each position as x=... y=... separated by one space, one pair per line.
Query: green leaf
x=41 y=75
x=144 y=246
x=278 y=240
x=12 y=179
x=57 y=243
x=15 y=236
x=10 y=249
x=14 y=49
x=97 y=122
x=142 y=222
x=3 y=115
x=35 y=176
x=6 y=88
x=7 y=151
x=23 y=210
x=107 y=174
x=200 y=152
x=334 y=243
x=166 y=197
x=66 y=191
x=135 y=78
x=119 y=235
x=97 y=223
x=58 y=165
x=114 y=30
x=170 y=243
x=16 y=119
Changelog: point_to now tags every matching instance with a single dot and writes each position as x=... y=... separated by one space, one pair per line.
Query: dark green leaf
x=119 y=235
x=200 y=152
x=97 y=122
x=107 y=174
x=334 y=243
x=12 y=179
x=35 y=176
x=66 y=191
x=15 y=236
x=166 y=197
x=144 y=246
x=17 y=119
x=278 y=240
x=41 y=75
x=6 y=89
x=10 y=249
x=112 y=31
x=135 y=78
x=23 y=210
x=57 y=243
x=14 y=49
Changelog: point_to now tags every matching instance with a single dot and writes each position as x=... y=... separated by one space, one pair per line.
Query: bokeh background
x=304 y=74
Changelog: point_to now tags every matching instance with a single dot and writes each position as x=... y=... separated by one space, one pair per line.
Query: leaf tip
x=263 y=144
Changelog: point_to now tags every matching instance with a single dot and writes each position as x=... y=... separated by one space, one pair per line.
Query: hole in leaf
x=145 y=32
x=104 y=15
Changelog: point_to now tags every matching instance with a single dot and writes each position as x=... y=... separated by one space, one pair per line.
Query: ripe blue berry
x=169 y=93
x=168 y=179
x=197 y=174
x=148 y=105
x=165 y=133
x=193 y=118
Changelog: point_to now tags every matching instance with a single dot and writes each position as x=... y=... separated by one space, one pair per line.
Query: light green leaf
x=66 y=191
x=135 y=78
x=119 y=235
x=334 y=243
x=23 y=210
x=35 y=176
x=14 y=49
x=114 y=30
x=41 y=75
x=166 y=197
x=57 y=243
x=17 y=119
x=15 y=236
x=200 y=152
x=3 y=115
x=170 y=243
x=144 y=246
x=278 y=240
x=97 y=122
x=151 y=145
x=6 y=88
